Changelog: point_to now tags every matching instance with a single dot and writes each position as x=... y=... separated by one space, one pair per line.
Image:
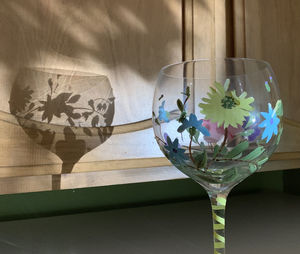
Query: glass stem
x=218 y=204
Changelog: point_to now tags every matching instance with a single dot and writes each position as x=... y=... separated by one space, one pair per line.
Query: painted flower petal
x=162 y=114
x=193 y=122
x=226 y=108
x=216 y=133
x=270 y=123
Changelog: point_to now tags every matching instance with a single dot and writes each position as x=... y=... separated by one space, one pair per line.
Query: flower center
x=228 y=102
x=271 y=121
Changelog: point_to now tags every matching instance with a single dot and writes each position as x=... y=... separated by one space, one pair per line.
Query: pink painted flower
x=216 y=133
x=232 y=132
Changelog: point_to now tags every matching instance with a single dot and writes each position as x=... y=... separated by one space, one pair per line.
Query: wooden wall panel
x=268 y=30
x=126 y=40
x=129 y=41
x=271 y=32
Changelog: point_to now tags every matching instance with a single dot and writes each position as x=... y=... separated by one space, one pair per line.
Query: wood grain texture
x=239 y=33
x=23 y=184
x=188 y=30
x=204 y=29
x=128 y=41
x=129 y=44
x=269 y=30
x=271 y=33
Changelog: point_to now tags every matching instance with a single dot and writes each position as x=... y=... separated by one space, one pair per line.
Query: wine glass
x=217 y=121
x=65 y=111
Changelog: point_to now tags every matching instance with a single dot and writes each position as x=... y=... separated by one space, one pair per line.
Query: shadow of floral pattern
x=38 y=117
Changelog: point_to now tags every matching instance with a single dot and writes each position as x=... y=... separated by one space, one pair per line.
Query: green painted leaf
x=278 y=108
x=200 y=159
x=254 y=154
x=216 y=151
x=188 y=93
x=238 y=149
x=203 y=163
x=226 y=84
x=262 y=161
x=252 y=167
x=279 y=135
x=224 y=151
x=182 y=117
x=196 y=137
x=267 y=86
x=192 y=131
x=156 y=121
x=180 y=105
x=238 y=156
x=247 y=133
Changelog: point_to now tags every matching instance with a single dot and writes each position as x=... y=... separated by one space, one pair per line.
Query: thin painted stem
x=190 y=150
x=224 y=140
x=221 y=147
x=218 y=204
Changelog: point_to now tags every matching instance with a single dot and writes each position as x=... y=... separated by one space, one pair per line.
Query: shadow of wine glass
x=69 y=113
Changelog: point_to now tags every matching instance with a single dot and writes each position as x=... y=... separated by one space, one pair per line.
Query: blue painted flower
x=251 y=126
x=175 y=152
x=162 y=114
x=270 y=123
x=193 y=122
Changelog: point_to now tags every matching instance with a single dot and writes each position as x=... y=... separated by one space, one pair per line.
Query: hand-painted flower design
x=225 y=107
x=250 y=123
x=270 y=123
x=174 y=150
x=163 y=115
x=193 y=122
x=216 y=133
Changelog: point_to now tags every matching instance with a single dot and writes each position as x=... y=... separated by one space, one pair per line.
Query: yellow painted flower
x=225 y=107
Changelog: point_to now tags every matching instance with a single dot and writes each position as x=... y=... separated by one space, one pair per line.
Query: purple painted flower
x=252 y=126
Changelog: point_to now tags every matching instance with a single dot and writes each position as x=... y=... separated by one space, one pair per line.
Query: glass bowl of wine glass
x=217 y=121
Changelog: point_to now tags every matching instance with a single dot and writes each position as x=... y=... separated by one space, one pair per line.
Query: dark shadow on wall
x=67 y=113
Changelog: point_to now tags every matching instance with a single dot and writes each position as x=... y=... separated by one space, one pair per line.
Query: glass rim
x=245 y=59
